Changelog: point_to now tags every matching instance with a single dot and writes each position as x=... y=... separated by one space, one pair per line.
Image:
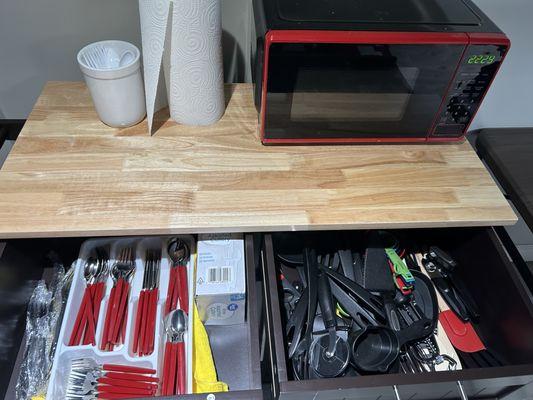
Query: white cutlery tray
x=122 y=354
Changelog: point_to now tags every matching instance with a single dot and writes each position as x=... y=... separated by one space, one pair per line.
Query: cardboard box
x=221 y=279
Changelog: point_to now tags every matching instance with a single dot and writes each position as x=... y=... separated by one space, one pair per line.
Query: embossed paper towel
x=185 y=37
x=196 y=74
x=154 y=16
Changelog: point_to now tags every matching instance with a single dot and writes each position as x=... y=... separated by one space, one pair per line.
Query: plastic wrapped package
x=43 y=317
x=35 y=363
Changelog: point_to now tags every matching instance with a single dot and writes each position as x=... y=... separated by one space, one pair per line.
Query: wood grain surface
x=70 y=175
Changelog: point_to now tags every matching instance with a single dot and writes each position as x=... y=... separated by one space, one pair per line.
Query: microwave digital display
x=481 y=59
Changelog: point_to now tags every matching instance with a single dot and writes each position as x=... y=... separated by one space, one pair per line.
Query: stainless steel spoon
x=174 y=373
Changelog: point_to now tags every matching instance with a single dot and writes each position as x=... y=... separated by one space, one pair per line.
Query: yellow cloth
x=204 y=375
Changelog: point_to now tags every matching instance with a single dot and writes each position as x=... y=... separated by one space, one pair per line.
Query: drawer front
x=509 y=301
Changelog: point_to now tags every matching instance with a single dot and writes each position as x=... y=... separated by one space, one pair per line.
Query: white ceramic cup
x=117 y=93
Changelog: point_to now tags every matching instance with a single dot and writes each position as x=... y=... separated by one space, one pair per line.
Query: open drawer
x=235 y=348
x=505 y=324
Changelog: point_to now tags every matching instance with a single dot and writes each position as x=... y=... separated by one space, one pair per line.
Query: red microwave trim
x=489 y=38
x=343 y=140
x=371 y=37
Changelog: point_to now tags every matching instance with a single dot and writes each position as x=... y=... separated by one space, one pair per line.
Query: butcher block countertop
x=70 y=175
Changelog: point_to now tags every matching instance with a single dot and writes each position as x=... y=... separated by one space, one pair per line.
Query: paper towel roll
x=154 y=15
x=196 y=94
x=183 y=39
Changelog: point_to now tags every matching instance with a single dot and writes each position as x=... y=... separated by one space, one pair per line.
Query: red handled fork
x=144 y=330
x=87 y=379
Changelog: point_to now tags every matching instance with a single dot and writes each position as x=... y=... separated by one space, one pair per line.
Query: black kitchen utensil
x=382 y=239
x=425 y=297
x=311 y=273
x=357 y=268
x=368 y=300
x=296 y=323
x=377 y=275
x=462 y=302
x=378 y=278
x=327 y=311
x=446 y=290
x=359 y=314
x=376 y=348
x=347 y=264
x=326 y=363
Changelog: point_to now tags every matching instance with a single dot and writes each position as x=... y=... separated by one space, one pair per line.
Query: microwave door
x=348 y=97
x=361 y=91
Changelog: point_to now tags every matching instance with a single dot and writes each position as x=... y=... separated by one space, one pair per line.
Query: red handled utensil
x=137 y=327
x=462 y=334
x=87 y=378
x=116 y=313
x=144 y=330
x=129 y=376
x=127 y=383
x=95 y=272
x=128 y=369
x=151 y=319
x=175 y=364
x=179 y=253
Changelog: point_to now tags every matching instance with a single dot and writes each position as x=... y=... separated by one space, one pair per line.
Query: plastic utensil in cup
x=117 y=92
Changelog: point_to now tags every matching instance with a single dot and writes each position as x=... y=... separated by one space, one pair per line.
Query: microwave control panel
x=472 y=80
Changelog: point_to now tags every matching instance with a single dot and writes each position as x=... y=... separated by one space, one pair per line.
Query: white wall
x=39 y=40
x=509 y=102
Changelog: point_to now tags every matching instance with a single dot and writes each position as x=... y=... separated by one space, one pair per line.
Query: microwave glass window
x=346 y=90
x=337 y=105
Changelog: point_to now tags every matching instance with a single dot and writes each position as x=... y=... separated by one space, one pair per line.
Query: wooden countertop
x=70 y=175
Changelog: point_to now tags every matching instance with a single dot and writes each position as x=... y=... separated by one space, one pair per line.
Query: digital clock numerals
x=481 y=59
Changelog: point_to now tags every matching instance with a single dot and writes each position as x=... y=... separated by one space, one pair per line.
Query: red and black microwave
x=355 y=71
